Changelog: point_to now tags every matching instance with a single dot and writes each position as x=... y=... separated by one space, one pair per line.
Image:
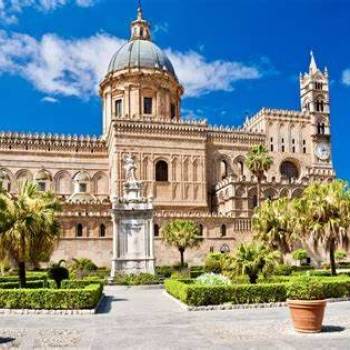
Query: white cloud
x=10 y=9
x=200 y=76
x=346 y=77
x=57 y=66
x=49 y=99
x=74 y=67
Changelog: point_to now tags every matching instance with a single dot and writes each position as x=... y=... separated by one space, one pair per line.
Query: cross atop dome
x=140 y=28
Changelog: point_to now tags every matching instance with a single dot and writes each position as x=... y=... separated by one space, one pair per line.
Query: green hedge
x=75 y=284
x=197 y=295
x=193 y=294
x=29 y=284
x=30 y=276
x=131 y=279
x=51 y=299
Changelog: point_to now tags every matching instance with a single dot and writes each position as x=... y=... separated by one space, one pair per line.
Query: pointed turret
x=313 y=66
x=140 y=28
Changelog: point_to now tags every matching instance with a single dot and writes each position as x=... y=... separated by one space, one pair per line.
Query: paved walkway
x=143 y=318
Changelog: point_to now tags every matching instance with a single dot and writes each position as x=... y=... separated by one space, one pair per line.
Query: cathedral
x=188 y=168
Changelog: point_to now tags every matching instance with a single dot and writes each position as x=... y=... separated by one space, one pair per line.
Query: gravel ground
x=145 y=318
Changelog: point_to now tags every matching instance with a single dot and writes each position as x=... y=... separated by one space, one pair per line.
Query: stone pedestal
x=132 y=231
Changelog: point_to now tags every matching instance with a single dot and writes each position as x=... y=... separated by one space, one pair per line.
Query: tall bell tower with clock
x=314 y=94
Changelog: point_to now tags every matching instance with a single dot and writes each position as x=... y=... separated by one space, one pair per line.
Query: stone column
x=115 y=257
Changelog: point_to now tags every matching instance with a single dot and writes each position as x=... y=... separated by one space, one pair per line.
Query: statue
x=130 y=168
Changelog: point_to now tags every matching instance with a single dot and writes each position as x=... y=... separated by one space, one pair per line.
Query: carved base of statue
x=132 y=228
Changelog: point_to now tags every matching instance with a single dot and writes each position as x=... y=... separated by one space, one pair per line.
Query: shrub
x=82 y=267
x=300 y=255
x=29 y=285
x=31 y=276
x=336 y=287
x=135 y=279
x=302 y=268
x=164 y=271
x=283 y=270
x=194 y=294
x=306 y=288
x=52 y=299
x=340 y=255
x=178 y=266
x=179 y=275
x=58 y=273
x=76 y=284
x=212 y=279
x=213 y=263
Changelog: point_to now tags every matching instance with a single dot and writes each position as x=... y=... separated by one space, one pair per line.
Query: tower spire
x=140 y=29
x=139 y=11
x=313 y=66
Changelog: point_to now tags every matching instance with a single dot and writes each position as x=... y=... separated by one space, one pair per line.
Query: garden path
x=146 y=318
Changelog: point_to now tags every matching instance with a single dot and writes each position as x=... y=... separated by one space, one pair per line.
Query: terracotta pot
x=307 y=315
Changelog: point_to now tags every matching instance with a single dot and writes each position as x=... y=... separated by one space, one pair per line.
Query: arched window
x=252 y=199
x=102 y=230
x=223 y=230
x=200 y=226
x=156 y=230
x=224 y=249
x=161 y=171
x=223 y=169
x=241 y=167
x=319 y=106
x=118 y=107
x=289 y=170
x=79 y=230
x=321 y=128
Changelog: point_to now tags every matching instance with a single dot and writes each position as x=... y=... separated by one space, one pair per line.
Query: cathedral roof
x=140 y=51
x=141 y=54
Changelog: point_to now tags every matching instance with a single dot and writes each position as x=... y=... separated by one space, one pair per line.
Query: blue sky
x=233 y=57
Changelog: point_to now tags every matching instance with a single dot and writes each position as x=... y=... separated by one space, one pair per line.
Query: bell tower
x=314 y=97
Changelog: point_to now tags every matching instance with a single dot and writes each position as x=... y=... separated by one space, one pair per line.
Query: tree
x=182 y=234
x=258 y=162
x=323 y=214
x=252 y=259
x=300 y=255
x=271 y=224
x=28 y=226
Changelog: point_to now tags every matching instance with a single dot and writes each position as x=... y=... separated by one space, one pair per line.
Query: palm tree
x=258 y=162
x=271 y=224
x=28 y=225
x=181 y=234
x=323 y=214
x=253 y=258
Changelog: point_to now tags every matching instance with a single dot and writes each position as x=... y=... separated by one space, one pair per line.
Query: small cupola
x=140 y=28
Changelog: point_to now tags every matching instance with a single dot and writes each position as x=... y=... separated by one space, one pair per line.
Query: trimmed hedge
x=75 y=284
x=193 y=294
x=131 y=279
x=30 y=276
x=197 y=295
x=29 y=284
x=51 y=299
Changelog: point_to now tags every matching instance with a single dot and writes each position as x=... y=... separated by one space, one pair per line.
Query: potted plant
x=306 y=301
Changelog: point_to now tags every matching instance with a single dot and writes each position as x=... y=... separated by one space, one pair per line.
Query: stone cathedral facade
x=190 y=169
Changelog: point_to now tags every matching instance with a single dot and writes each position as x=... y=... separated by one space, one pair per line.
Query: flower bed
x=197 y=295
x=74 y=298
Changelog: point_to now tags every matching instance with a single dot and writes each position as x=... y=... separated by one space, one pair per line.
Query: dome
x=141 y=54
